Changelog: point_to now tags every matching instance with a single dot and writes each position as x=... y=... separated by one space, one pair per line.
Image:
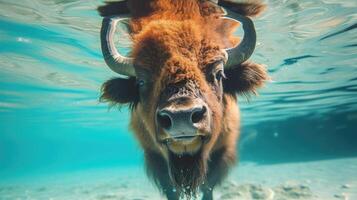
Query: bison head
x=183 y=71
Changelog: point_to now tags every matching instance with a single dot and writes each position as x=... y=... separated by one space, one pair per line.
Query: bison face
x=180 y=83
x=179 y=74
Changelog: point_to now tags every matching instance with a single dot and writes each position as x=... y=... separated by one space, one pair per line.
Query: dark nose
x=181 y=122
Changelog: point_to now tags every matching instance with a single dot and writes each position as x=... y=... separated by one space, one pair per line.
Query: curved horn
x=116 y=62
x=245 y=49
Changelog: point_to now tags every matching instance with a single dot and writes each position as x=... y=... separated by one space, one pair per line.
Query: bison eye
x=215 y=72
x=141 y=83
x=220 y=74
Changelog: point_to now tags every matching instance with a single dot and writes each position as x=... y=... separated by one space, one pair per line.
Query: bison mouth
x=184 y=138
x=185 y=144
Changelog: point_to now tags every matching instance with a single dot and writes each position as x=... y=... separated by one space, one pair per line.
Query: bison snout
x=182 y=122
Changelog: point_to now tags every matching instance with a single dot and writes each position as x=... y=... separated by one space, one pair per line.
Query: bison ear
x=120 y=91
x=251 y=8
x=245 y=78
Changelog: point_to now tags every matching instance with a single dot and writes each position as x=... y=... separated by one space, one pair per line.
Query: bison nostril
x=198 y=114
x=164 y=120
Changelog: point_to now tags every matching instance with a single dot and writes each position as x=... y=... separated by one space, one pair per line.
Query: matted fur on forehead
x=185 y=41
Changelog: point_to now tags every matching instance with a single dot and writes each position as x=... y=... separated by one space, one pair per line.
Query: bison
x=184 y=73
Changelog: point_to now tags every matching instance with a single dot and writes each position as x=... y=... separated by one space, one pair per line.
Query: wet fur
x=174 y=45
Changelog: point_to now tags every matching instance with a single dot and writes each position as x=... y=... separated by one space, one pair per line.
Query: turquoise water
x=51 y=70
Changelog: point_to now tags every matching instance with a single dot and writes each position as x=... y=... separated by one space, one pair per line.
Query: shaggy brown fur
x=176 y=45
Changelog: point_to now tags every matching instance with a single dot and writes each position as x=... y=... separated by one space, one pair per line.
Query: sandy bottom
x=320 y=180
